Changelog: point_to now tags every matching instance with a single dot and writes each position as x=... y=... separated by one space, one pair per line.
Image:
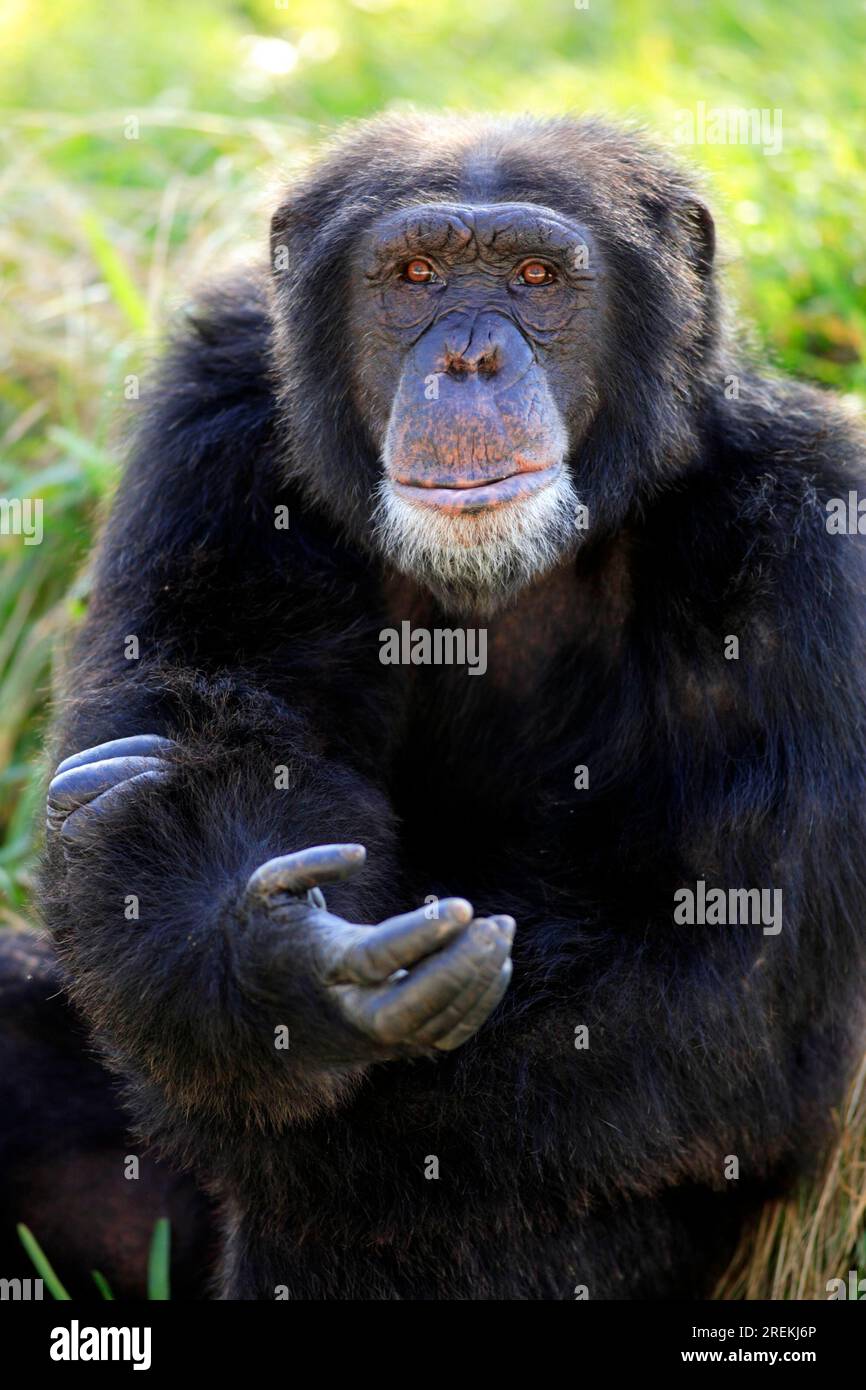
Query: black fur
x=259 y=647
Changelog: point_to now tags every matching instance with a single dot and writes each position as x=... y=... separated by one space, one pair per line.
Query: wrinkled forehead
x=464 y=231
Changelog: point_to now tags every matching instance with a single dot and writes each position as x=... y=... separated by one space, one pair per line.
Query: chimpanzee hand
x=412 y=983
x=419 y=981
x=87 y=785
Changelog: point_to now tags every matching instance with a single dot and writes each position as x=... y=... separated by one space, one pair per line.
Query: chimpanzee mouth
x=469 y=496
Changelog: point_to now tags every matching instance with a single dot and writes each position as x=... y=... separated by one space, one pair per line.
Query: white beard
x=477 y=562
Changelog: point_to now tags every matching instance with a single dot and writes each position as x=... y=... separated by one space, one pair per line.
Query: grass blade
x=37 y=1255
x=103 y=1285
x=158 y=1261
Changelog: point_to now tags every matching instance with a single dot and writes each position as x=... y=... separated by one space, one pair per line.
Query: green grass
x=102 y=234
x=158 y=1266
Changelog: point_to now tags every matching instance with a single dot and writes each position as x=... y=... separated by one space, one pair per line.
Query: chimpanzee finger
x=78 y=785
x=401 y=941
x=477 y=1013
x=136 y=746
x=76 y=825
x=297 y=873
x=395 y=1012
x=470 y=1002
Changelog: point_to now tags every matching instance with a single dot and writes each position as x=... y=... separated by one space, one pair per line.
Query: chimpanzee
x=463 y=551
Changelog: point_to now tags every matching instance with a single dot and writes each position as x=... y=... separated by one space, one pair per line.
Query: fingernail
x=458 y=909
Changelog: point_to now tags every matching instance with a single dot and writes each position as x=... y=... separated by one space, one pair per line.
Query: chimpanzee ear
x=696 y=218
x=688 y=220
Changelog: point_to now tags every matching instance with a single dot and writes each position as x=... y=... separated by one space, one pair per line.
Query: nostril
x=460 y=364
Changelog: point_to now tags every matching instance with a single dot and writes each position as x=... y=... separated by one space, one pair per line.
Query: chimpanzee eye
x=419 y=272
x=535 y=273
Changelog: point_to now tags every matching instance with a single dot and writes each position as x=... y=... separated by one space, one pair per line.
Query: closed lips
x=465 y=495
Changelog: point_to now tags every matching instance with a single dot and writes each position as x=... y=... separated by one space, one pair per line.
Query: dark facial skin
x=481 y=325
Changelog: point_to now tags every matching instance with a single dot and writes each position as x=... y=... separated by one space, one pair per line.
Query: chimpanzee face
x=490 y=342
x=478 y=377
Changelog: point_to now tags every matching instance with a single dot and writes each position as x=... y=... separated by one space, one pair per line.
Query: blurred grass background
x=139 y=144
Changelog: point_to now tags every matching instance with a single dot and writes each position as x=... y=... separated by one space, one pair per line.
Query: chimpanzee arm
x=197 y=937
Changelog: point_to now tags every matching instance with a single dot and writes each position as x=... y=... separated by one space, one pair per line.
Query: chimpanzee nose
x=477 y=346
x=485 y=350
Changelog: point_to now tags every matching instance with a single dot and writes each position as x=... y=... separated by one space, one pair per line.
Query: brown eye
x=419 y=272
x=535 y=273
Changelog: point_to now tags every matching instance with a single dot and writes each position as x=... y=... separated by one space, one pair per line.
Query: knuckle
x=481 y=934
x=384 y=1029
